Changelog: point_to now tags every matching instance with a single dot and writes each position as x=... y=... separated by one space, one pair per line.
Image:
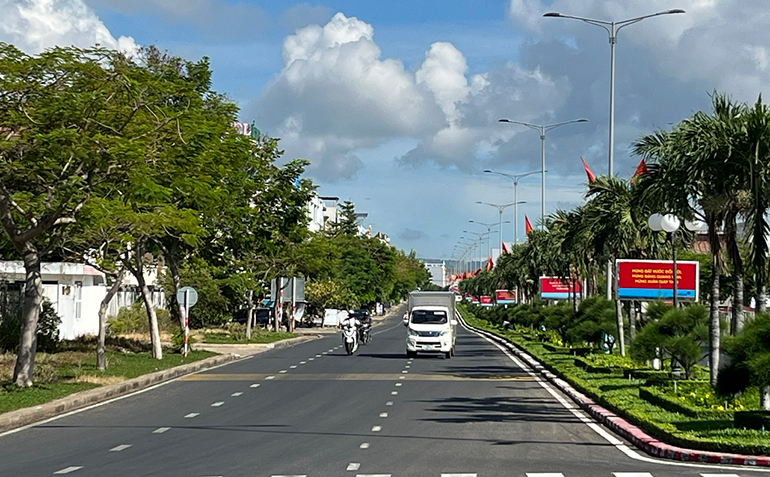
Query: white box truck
x=431 y=323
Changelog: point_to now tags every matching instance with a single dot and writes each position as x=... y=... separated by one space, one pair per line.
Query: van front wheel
x=448 y=354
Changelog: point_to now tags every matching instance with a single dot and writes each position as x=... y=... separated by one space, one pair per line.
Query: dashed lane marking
x=283 y=371
x=270 y=377
x=407 y=372
x=303 y=475
x=394 y=393
x=546 y=475
x=236 y=394
x=458 y=475
x=637 y=474
x=383 y=414
x=68 y=470
x=353 y=466
x=192 y=414
x=161 y=430
x=305 y=362
x=255 y=385
x=365 y=445
x=376 y=428
x=294 y=366
x=299 y=376
x=217 y=404
x=389 y=403
x=120 y=448
x=720 y=475
x=372 y=475
x=399 y=384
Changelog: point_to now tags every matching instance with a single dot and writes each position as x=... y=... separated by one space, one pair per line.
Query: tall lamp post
x=516 y=178
x=670 y=224
x=489 y=231
x=500 y=208
x=612 y=28
x=543 y=129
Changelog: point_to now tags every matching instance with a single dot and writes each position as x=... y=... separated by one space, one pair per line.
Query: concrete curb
x=22 y=417
x=622 y=427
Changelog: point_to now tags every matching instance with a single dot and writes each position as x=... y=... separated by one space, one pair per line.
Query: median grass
x=709 y=425
x=73 y=369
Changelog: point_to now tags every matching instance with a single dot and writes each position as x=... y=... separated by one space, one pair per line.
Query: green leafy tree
x=678 y=334
x=749 y=359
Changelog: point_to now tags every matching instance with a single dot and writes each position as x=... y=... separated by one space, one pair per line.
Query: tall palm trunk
x=714 y=324
x=733 y=250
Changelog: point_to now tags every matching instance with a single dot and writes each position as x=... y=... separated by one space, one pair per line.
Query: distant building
x=437 y=270
x=315 y=211
x=330 y=212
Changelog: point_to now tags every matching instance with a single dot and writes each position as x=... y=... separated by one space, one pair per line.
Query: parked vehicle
x=264 y=316
x=350 y=335
x=431 y=323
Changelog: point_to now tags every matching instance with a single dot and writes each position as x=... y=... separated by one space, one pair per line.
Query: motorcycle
x=365 y=333
x=350 y=336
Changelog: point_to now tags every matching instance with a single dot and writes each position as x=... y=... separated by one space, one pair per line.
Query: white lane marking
x=303 y=475
x=394 y=393
x=458 y=475
x=402 y=377
x=407 y=372
x=372 y=475
x=68 y=470
x=389 y=403
x=376 y=428
x=399 y=384
x=353 y=466
x=365 y=445
x=192 y=414
x=255 y=385
x=593 y=425
x=305 y=362
x=217 y=404
x=332 y=350
x=270 y=377
x=120 y=447
x=294 y=366
x=283 y=371
x=161 y=430
x=326 y=352
x=239 y=393
x=545 y=475
x=383 y=414
x=717 y=475
x=318 y=356
x=635 y=474
x=407 y=366
x=311 y=359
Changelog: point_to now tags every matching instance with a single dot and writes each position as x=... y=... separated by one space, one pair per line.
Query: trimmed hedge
x=752 y=420
x=659 y=398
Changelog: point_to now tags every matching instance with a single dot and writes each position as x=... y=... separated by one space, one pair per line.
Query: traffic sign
x=192 y=296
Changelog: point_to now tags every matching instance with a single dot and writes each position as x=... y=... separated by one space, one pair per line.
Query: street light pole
x=489 y=231
x=543 y=129
x=612 y=28
x=516 y=178
x=500 y=208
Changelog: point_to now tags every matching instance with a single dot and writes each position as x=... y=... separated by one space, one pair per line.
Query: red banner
x=653 y=279
x=505 y=296
x=486 y=300
x=556 y=288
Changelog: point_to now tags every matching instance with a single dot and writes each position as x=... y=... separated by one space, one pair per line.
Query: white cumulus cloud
x=34 y=25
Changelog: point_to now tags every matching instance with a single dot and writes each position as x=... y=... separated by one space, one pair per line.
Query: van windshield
x=429 y=317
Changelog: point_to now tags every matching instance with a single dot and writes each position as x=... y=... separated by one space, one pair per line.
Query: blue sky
x=396 y=103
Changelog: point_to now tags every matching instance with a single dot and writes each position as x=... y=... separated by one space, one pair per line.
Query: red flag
x=505 y=248
x=527 y=225
x=476 y=272
x=591 y=176
x=490 y=264
x=641 y=170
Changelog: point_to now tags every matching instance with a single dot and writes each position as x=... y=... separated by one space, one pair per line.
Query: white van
x=431 y=324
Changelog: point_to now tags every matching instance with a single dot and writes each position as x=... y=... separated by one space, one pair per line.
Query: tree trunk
x=738 y=315
x=632 y=321
x=765 y=397
x=621 y=327
x=157 y=349
x=101 y=361
x=176 y=278
x=33 y=297
x=249 y=315
x=760 y=298
x=714 y=325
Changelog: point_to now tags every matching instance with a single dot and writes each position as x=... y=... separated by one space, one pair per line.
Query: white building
x=315 y=209
x=437 y=270
x=76 y=291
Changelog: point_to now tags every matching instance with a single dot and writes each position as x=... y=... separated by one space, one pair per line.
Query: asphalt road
x=310 y=410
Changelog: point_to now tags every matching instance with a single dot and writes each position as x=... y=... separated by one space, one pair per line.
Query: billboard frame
x=671 y=290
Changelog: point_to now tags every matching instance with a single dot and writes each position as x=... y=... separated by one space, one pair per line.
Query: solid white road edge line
x=596 y=427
